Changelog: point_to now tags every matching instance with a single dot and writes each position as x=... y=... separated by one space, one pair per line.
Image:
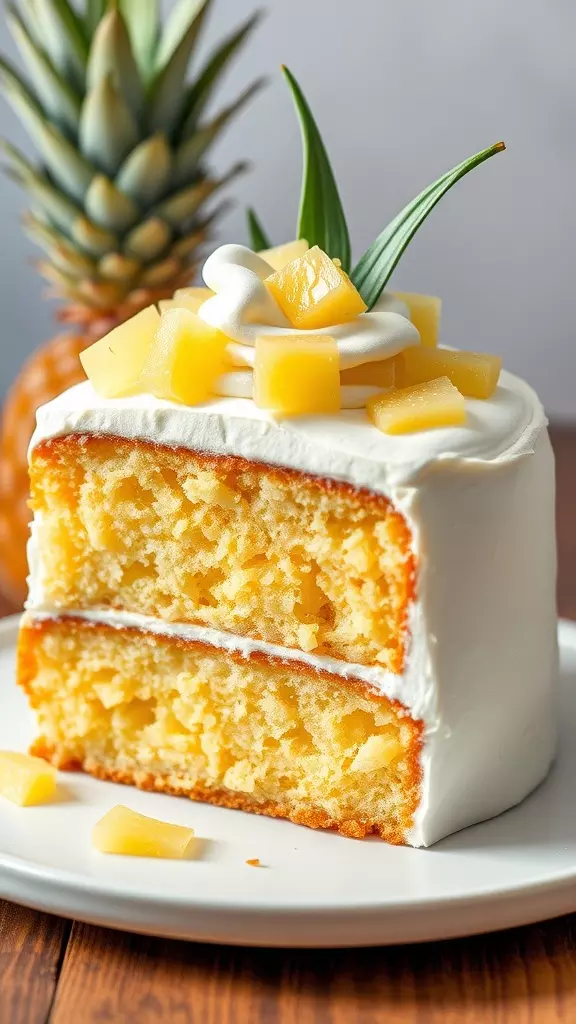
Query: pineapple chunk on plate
x=26 y=780
x=297 y=375
x=126 y=832
x=281 y=255
x=424 y=311
x=474 y=374
x=313 y=292
x=114 y=363
x=421 y=407
x=184 y=359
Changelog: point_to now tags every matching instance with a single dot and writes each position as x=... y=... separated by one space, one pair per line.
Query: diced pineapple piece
x=297 y=374
x=377 y=752
x=281 y=255
x=114 y=363
x=434 y=404
x=474 y=374
x=313 y=292
x=191 y=298
x=381 y=374
x=136 y=835
x=26 y=780
x=184 y=358
x=425 y=313
x=165 y=304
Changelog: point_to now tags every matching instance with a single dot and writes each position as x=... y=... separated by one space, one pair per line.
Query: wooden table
x=69 y=973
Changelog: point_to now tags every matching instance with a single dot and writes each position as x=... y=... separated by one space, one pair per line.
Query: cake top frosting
x=343 y=446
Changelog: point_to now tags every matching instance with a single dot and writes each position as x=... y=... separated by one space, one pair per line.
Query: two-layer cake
x=301 y=616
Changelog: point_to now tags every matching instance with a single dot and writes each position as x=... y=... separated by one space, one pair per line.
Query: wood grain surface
x=54 y=972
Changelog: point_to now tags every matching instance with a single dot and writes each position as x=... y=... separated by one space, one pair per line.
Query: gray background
x=403 y=90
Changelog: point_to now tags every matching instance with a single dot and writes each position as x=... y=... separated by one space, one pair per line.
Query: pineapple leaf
x=321 y=219
x=111 y=55
x=148 y=240
x=61 y=251
x=199 y=92
x=91 y=238
x=18 y=94
x=189 y=154
x=182 y=27
x=161 y=273
x=60 y=210
x=146 y=174
x=62 y=34
x=108 y=131
x=60 y=100
x=108 y=207
x=142 y=19
x=94 y=13
x=258 y=238
x=179 y=208
x=376 y=265
x=173 y=55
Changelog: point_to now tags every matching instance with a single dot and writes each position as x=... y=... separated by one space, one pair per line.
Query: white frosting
x=479 y=500
x=243 y=308
x=345 y=446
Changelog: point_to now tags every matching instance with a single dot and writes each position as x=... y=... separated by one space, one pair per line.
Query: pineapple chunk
x=136 y=835
x=313 y=292
x=381 y=374
x=191 y=298
x=26 y=780
x=434 y=404
x=377 y=752
x=184 y=359
x=297 y=374
x=114 y=363
x=474 y=374
x=281 y=255
x=425 y=315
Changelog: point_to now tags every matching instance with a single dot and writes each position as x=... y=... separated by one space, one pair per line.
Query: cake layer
x=274 y=554
x=251 y=732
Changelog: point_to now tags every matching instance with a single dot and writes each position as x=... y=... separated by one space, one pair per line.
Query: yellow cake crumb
x=255 y=733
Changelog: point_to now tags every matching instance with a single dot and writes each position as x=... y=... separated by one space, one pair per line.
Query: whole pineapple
x=117 y=203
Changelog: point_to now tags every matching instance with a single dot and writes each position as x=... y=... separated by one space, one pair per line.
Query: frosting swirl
x=243 y=308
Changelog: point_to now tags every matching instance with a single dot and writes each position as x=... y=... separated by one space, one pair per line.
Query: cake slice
x=345 y=617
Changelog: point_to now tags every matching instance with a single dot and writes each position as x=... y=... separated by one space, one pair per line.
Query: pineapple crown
x=321 y=218
x=118 y=201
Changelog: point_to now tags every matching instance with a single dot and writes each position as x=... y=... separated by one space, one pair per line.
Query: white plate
x=315 y=889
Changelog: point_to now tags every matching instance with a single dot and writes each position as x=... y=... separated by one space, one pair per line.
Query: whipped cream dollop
x=243 y=308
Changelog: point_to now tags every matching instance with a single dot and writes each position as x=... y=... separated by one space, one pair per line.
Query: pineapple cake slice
x=313 y=292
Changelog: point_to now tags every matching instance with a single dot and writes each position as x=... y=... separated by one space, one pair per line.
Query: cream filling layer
x=380 y=680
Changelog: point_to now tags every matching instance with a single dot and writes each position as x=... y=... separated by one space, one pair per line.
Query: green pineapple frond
x=118 y=197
